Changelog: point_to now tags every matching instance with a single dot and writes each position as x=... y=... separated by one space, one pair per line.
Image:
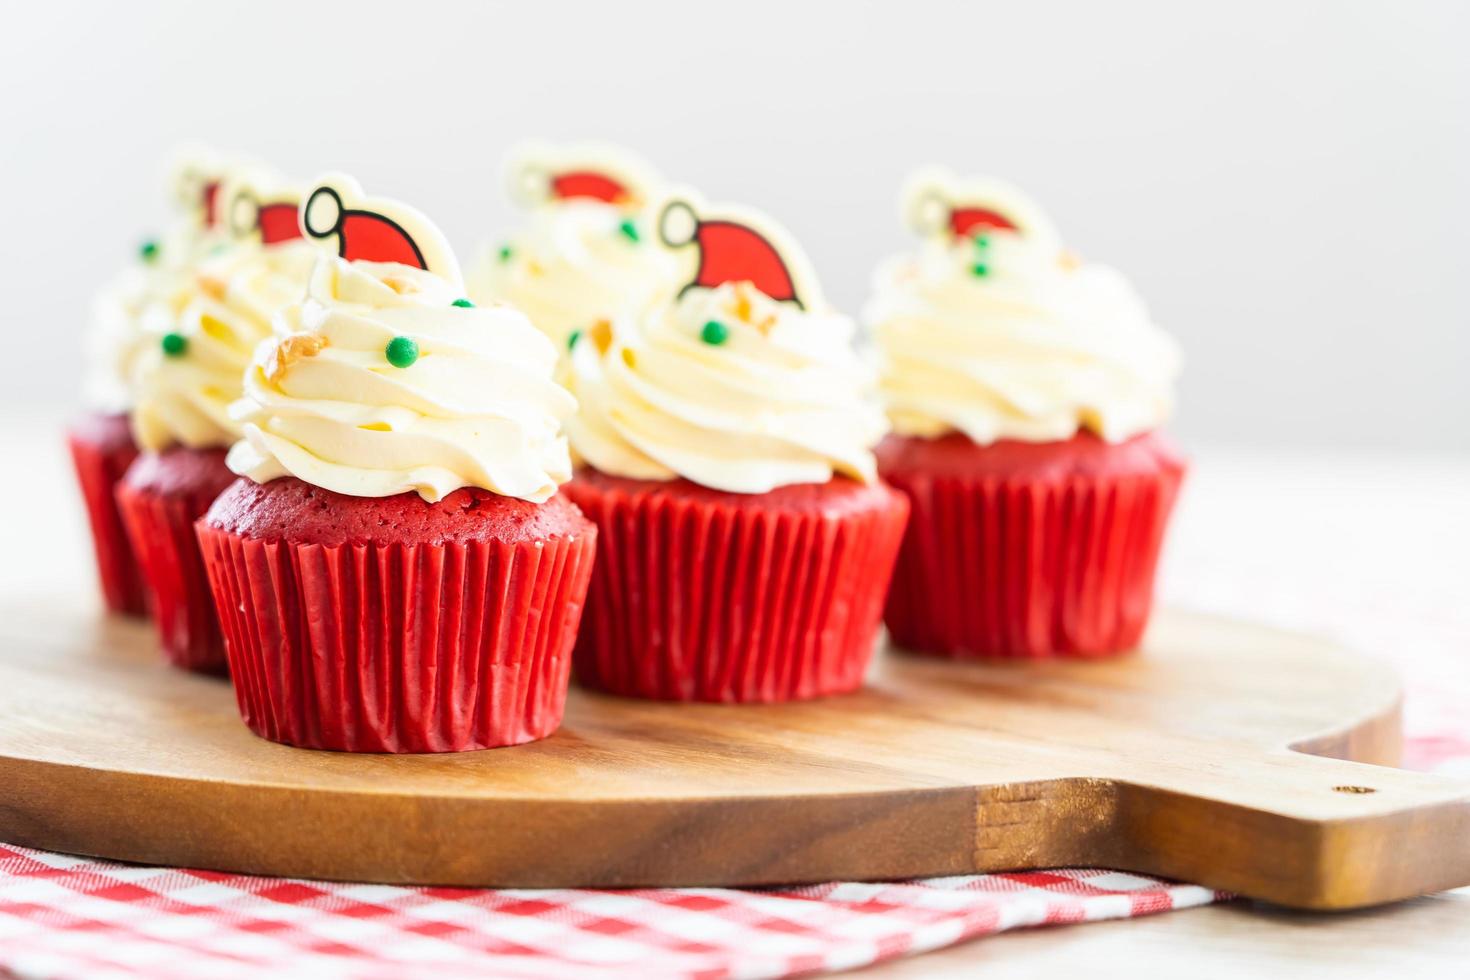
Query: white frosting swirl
x=478 y=408
x=185 y=399
x=135 y=310
x=574 y=264
x=784 y=400
x=1034 y=348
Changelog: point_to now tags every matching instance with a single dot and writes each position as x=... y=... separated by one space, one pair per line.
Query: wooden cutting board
x=1177 y=761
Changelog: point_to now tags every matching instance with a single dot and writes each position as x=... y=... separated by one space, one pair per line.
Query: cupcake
x=1026 y=390
x=585 y=256
x=185 y=381
x=725 y=441
x=137 y=308
x=394 y=570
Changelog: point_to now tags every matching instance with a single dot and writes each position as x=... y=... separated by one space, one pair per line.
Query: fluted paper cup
x=1028 y=550
x=431 y=646
x=701 y=595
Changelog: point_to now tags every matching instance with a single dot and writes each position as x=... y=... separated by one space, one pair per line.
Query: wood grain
x=1172 y=762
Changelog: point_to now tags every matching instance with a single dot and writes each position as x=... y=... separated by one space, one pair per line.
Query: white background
x=1287 y=183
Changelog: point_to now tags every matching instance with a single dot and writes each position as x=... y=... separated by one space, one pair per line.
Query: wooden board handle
x=1284 y=827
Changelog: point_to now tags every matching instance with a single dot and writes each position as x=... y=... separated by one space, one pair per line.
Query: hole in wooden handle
x=1354 y=789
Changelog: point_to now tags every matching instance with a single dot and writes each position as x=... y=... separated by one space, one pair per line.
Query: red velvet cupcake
x=102 y=449
x=395 y=572
x=1025 y=390
x=160 y=498
x=185 y=382
x=746 y=542
x=128 y=316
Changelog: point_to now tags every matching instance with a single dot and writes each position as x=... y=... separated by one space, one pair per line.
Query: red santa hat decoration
x=738 y=245
x=261 y=207
x=197 y=177
x=371 y=229
x=937 y=203
x=537 y=173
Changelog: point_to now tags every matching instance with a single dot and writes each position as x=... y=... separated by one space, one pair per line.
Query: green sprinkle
x=629 y=230
x=463 y=304
x=505 y=253
x=714 y=333
x=572 y=338
x=148 y=251
x=175 y=344
x=980 y=269
x=401 y=352
x=982 y=241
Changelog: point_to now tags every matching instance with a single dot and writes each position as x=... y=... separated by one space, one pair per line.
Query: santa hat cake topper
x=374 y=229
x=539 y=173
x=738 y=245
x=262 y=207
x=937 y=203
x=196 y=175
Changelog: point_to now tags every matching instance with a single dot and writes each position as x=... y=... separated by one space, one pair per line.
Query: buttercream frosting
x=576 y=263
x=184 y=391
x=135 y=309
x=1003 y=335
x=476 y=407
x=781 y=399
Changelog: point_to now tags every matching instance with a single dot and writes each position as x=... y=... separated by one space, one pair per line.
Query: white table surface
x=1371 y=548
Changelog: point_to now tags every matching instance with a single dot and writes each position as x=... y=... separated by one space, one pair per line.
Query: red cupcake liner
x=159 y=498
x=399 y=647
x=161 y=529
x=1051 y=561
x=703 y=596
x=101 y=457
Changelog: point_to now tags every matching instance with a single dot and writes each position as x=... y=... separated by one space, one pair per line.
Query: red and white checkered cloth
x=65 y=916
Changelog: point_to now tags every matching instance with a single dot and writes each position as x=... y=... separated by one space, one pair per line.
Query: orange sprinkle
x=290 y=350
x=600 y=333
x=213 y=286
x=400 y=286
x=743 y=301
